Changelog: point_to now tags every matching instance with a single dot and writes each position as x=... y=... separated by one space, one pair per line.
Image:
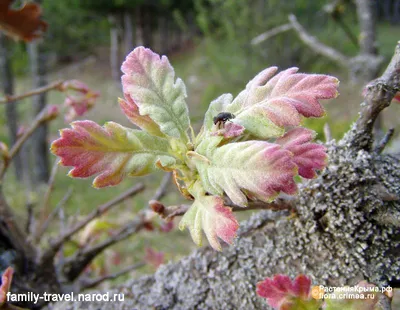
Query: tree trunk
x=114 y=62
x=139 y=26
x=164 y=34
x=368 y=45
x=147 y=27
x=337 y=237
x=39 y=144
x=128 y=32
x=7 y=81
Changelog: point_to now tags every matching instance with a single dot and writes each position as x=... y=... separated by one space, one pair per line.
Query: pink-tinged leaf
x=154 y=258
x=167 y=226
x=80 y=98
x=284 y=294
x=230 y=130
x=210 y=214
x=271 y=102
x=307 y=156
x=255 y=168
x=6 y=279
x=149 y=81
x=131 y=111
x=111 y=152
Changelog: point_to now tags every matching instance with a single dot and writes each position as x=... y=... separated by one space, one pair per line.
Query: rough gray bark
x=7 y=81
x=39 y=144
x=346 y=229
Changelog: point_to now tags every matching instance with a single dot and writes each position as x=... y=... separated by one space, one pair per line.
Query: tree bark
x=39 y=144
x=7 y=81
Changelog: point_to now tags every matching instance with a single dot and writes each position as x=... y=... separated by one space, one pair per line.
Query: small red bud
x=156 y=206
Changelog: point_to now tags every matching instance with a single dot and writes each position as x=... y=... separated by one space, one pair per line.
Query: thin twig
x=271 y=33
x=162 y=189
x=168 y=213
x=100 y=210
x=75 y=264
x=61 y=216
x=86 y=284
x=50 y=188
x=385 y=140
x=50 y=217
x=327 y=132
x=378 y=96
x=39 y=119
x=332 y=8
x=30 y=219
x=277 y=205
x=33 y=92
x=316 y=45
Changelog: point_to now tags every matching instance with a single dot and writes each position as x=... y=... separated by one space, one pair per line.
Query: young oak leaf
x=258 y=168
x=210 y=214
x=131 y=110
x=284 y=294
x=111 y=152
x=270 y=102
x=149 y=81
x=307 y=156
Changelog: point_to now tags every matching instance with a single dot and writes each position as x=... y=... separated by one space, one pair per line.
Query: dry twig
x=36 y=91
x=162 y=189
x=50 y=217
x=271 y=33
x=100 y=210
x=42 y=117
x=90 y=283
x=316 y=45
x=379 y=94
x=75 y=264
